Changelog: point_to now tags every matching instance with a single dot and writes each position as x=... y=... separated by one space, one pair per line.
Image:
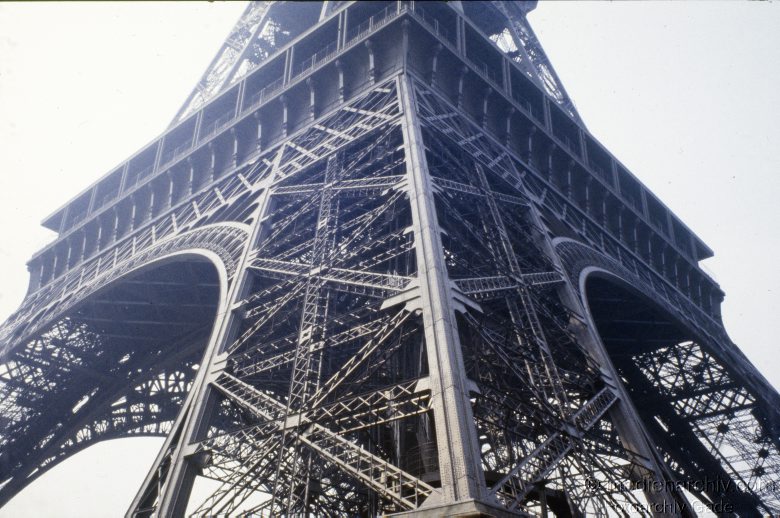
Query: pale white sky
x=684 y=94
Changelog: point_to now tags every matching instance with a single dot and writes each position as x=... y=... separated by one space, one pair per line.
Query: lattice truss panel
x=323 y=391
x=520 y=42
x=324 y=403
x=263 y=28
x=323 y=388
x=104 y=368
x=700 y=403
x=110 y=368
x=540 y=404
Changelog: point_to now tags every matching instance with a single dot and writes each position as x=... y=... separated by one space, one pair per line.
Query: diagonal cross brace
x=382 y=476
x=520 y=480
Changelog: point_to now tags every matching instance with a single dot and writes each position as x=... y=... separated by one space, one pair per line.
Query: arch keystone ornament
x=377 y=266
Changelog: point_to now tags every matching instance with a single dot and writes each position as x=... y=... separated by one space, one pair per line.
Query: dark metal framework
x=377 y=265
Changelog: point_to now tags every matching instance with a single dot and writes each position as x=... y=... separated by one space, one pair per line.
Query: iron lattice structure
x=377 y=265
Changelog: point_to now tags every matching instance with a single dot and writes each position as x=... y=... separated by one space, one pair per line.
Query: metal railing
x=173 y=154
x=431 y=22
x=214 y=127
x=107 y=198
x=142 y=175
x=487 y=72
x=311 y=63
x=264 y=94
x=372 y=23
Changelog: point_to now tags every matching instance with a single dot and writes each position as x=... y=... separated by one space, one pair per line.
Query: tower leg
x=459 y=460
x=175 y=461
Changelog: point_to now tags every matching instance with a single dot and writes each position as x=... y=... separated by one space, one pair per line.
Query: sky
x=683 y=94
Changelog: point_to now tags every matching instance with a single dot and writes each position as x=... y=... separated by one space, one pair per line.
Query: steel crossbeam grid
x=350 y=276
x=496 y=159
x=520 y=480
x=122 y=404
x=374 y=471
x=223 y=67
x=364 y=186
x=336 y=276
x=701 y=392
x=316 y=227
x=334 y=130
x=533 y=58
x=269 y=355
x=523 y=315
x=304 y=378
x=489 y=287
x=509 y=174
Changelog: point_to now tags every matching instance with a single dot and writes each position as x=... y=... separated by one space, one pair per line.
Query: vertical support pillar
x=547 y=116
x=158 y=155
x=460 y=35
x=312 y=98
x=636 y=236
x=133 y=211
x=529 y=150
x=676 y=263
x=289 y=55
x=664 y=249
x=150 y=209
x=234 y=155
x=570 y=179
x=283 y=100
x=69 y=246
x=92 y=197
x=240 y=98
x=258 y=137
x=190 y=176
x=99 y=238
x=169 y=201
x=123 y=177
x=485 y=106
x=588 y=183
x=83 y=252
x=613 y=171
x=212 y=162
x=371 y=62
x=650 y=249
x=115 y=228
x=583 y=145
x=342 y=29
x=508 y=127
x=461 y=84
x=550 y=162
x=505 y=75
x=198 y=126
x=461 y=479
x=36 y=272
x=174 y=492
x=435 y=62
x=340 y=70
x=54 y=264
x=64 y=221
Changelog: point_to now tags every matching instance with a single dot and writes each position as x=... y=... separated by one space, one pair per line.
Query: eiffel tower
x=377 y=265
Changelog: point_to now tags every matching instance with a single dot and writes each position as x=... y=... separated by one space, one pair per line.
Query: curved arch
x=222 y=242
x=117 y=363
x=578 y=260
x=692 y=399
